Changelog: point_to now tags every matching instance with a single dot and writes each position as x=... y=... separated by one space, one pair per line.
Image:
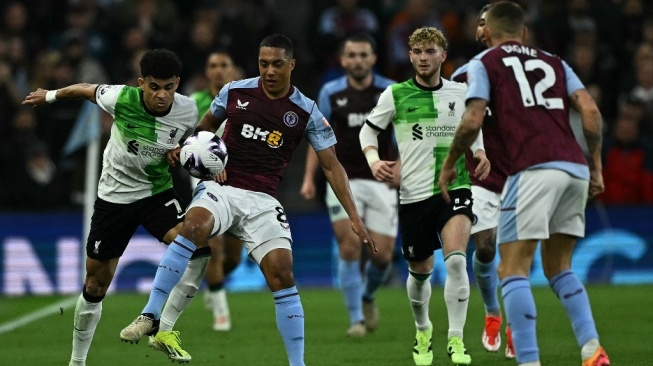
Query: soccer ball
x=204 y=155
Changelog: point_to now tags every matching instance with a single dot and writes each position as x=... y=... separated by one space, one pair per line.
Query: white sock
x=183 y=293
x=456 y=292
x=534 y=363
x=419 y=294
x=87 y=316
x=218 y=301
x=589 y=348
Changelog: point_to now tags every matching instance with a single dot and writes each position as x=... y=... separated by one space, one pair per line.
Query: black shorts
x=113 y=224
x=420 y=223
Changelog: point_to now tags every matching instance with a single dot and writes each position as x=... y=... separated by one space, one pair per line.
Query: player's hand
x=482 y=165
x=222 y=177
x=308 y=189
x=383 y=170
x=36 y=98
x=359 y=229
x=596 y=183
x=447 y=176
x=173 y=156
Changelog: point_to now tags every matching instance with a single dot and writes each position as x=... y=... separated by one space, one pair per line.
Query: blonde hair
x=427 y=35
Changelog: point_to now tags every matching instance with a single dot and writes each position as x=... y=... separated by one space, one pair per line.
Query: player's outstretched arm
x=71 y=92
x=337 y=178
x=590 y=115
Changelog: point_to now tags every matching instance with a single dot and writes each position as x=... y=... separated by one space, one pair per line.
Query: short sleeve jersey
x=425 y=120
x=134 y=164
x=262 y=133
x=346 y=109
x=527 y=89
x=494 y=148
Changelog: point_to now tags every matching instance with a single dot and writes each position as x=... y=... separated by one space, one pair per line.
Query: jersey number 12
x=540 y=87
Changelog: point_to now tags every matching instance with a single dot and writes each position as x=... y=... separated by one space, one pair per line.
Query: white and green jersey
x=134 y=164
x=425 y=120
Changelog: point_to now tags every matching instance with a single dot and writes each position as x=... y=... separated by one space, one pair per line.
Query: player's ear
x=292 y=64
x=488 y=36
x=141 y=82
x=524 y=34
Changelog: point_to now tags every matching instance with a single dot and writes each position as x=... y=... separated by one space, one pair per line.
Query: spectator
x=628 y=160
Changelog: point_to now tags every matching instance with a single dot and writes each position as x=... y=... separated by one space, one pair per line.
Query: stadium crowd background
x=50 y=44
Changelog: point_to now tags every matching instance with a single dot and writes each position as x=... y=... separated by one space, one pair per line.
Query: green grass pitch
x=624 y=317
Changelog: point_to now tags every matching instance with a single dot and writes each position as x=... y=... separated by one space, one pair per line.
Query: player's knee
x=455 y=263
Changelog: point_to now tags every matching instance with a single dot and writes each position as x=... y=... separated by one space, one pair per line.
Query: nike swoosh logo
x=129 y=125
x=413 y=109
x=189 y=297
x=455 y=208
x=463 y=300
x=182 y=215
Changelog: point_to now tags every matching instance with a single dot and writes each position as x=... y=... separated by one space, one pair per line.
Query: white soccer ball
x=204 y=155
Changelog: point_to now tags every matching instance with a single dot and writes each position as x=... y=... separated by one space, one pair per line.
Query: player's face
x=480 y=30
x=219 y=69
x=158 y=94
x=357 y=59
x=427 y=59
x=275 y=68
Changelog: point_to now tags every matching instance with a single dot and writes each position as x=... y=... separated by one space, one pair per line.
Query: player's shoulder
x=382 y=81
x=334 y=86
x=183 y=101
x=302 y=101
x=460 y=74
x=453 y=85
x=249 y=83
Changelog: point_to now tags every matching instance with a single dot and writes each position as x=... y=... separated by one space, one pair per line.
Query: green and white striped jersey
x=425 y=120
x=134 y=164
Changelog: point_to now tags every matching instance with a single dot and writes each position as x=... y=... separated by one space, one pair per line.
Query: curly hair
x=160 y=64
x=427 y=35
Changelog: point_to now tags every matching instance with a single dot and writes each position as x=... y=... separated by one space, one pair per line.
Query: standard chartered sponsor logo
x=440 y=131
x=153 y=151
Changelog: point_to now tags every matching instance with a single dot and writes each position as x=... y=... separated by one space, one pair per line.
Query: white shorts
x=539 y=202
x=376 y=203
x=486 y=208
x=255 y=218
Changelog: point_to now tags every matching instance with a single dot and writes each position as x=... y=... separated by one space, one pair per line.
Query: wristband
x=51 y=96
x=372 y=156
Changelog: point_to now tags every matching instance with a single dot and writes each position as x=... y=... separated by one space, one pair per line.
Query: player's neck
x=360 y=84
x=431 y=82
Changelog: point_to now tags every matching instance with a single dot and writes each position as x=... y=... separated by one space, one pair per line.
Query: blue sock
x=522 y=317
x=351 y=283
x=171 y=268
x=487 y=280
x=290 y=322
x=375 y=278
x=572 y=295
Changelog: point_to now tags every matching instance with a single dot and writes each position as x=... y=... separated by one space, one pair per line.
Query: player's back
x=262 y=133
x=347 y=109
x=529 y=97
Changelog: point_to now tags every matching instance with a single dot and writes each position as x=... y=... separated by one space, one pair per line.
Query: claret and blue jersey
x=262 y=133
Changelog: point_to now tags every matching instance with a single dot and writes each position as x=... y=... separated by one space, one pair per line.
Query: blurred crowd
x=51 y=44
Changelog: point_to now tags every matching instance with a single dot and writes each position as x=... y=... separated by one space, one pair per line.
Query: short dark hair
x=506 y=18
x=279 y=41
x=359 y=37
x=160 y=64
x=483 y=10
